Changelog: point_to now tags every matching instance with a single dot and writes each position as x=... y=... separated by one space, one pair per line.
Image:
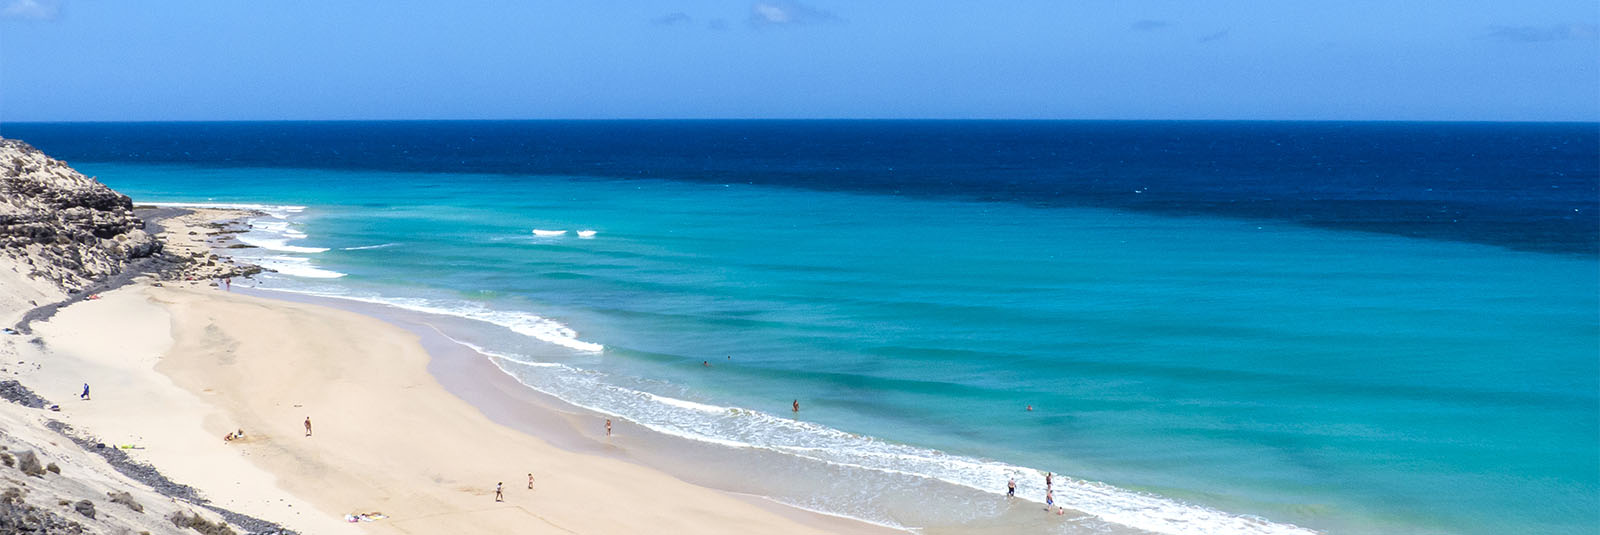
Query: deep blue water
x=1528 y=186
x=1186 y=305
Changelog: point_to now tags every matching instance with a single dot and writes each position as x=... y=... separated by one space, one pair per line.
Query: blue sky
x=74 y=60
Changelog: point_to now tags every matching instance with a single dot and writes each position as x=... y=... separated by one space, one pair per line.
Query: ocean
x=1219 y=327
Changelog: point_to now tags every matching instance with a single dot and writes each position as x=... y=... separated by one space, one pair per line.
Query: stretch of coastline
x=168 y=368
x=1189 y=376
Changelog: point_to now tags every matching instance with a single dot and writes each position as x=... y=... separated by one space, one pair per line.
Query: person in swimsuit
x=530 y=480
x=797 y=405
x=1011 y=488
x=608 y=427
x=308 y=426
x=498 y=495
x=1049 y=499
x=1047 y=480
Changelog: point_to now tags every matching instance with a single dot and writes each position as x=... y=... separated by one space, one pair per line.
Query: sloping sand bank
x=386 y=436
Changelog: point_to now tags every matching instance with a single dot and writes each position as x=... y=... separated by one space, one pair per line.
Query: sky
x=172 y=60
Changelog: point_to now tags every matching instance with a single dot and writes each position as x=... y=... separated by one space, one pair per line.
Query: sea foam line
x=296 y=266
x=744 y=428
x=280 y=211
x=366 y=247
x=530 y=325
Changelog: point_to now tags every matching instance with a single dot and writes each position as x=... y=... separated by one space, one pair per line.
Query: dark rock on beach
x=14 y=392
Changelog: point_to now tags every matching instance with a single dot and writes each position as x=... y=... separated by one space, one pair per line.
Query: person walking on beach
x=608 y=427
x=1011 y=488
x=308 y=426
x=1049 y=500
x=85 y=395
x=499 y=495
x=530 y=480
x=227 y=284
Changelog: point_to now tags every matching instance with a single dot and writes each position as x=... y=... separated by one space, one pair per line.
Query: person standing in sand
x=308 y=426
x=530 y=480
x=1049 y=500
x=499 y=494
x=608 y=427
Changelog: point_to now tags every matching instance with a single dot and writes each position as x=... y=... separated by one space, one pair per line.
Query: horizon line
x=813 y=119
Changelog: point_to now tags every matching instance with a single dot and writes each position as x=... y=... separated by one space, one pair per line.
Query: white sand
x=173 y=369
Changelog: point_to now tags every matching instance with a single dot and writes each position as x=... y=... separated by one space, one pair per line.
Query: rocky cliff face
x=64 y=227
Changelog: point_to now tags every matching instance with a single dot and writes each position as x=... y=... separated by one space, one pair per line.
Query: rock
x=71 y=228
x=84 y=507
x=125 y=499
x=200 y=524
x=28 y=462
x=14 y=392
x=17 y=516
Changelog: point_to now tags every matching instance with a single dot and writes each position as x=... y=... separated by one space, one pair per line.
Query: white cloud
x=786 y=13
x=31 y=9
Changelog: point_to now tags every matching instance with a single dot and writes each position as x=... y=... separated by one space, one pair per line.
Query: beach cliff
x=63 y=236
x=67 y=228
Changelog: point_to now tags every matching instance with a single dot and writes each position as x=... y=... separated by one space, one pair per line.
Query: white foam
x=536 y=327
x=586 y=234
x=743 y=428
x=275 y=234
x=365 y=247
x=277 y=244
x=276 y=210
x=548 y=233
x=297 y=267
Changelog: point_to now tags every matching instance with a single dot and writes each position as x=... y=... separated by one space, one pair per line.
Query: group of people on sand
x=499 y=488
x=236 y=435
x=1049 y=493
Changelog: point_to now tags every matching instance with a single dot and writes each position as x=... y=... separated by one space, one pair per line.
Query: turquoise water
x=1333 y=380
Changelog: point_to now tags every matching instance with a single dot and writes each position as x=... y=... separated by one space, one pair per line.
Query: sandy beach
x=176 y=366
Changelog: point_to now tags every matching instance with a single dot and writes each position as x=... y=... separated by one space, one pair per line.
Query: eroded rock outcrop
x=67 y=228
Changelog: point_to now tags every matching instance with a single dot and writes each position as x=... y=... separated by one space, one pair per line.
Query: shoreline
x=209 y=360
x=474 y=379
x=463 y=369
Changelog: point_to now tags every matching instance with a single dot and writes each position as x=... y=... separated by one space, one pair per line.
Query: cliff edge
x=61 y=226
